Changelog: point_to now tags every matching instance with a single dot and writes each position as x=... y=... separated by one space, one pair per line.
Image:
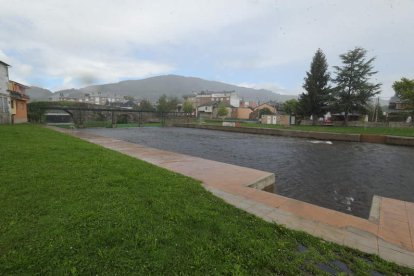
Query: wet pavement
x=342 y=176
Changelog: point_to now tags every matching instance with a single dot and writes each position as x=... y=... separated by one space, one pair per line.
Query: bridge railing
x=111 y=117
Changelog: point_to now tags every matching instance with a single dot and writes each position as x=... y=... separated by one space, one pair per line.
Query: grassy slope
x=356 y=130
x=67 y=206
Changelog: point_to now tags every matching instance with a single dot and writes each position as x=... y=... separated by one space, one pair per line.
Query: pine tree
x=314 y=101
x=353 y=90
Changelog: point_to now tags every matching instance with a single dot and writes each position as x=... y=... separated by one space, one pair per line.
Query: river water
x=342 y=176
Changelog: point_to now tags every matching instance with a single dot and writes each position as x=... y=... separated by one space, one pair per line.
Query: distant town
x=204 y=104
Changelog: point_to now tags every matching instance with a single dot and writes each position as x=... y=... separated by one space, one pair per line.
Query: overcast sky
x=263 y=44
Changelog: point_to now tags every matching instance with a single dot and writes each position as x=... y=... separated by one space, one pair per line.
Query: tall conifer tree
x=314 y=101
x=353 y=90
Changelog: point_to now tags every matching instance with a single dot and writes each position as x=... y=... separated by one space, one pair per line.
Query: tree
x=404 y=89
x=222 y=110
x=162 y=104
x=264 y=111
x=172 y=104
x=291 y=106
x=145 y=105
x=353 y=90
x=36 y=111
x=375 y=112
x=166 y=105
x=129 y=98
x=187 y=107
x=315 y=100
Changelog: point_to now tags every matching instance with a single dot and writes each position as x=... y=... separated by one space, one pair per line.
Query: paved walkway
x=389 y=232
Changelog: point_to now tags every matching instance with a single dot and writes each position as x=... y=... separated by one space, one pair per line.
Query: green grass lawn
x=71 y=207
x=355 y=130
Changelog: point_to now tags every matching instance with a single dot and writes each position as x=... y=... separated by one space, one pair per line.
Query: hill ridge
x=171 y=85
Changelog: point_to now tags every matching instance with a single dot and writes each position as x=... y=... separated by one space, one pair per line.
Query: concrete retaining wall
x=281 y=132
x=362 y=124
x=368 y=138
x=400 y=141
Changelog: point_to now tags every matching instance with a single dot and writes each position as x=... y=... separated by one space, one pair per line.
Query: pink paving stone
x=243 y=191
x=401 y=215
x=269 y=199
x=392 y=205
x=363 y=224
x=313 y=212
x=410 y=215
x=394 y=223
x=396 y=232
x=396 y=239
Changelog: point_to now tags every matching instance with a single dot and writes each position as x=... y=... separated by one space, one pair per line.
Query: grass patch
x=355 y=130
x=71 y=207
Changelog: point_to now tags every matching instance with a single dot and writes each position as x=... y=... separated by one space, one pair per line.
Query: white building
x=97 y=99
x=206 y=102
x=5 y=114
x=209 y=97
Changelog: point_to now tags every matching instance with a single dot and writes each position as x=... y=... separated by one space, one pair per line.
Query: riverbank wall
x=347 y=137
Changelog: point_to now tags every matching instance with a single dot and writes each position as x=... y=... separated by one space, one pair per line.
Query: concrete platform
x=388 y=233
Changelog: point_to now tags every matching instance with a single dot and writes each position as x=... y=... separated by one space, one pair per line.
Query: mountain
x=173 y=86
x=38 y=94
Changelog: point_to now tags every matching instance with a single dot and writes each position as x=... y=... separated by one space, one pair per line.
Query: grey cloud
x=70 y=38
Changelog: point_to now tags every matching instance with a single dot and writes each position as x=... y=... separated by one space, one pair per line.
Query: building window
x=4 y=104
x=12 y=104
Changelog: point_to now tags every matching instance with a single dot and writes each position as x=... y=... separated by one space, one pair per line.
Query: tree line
x=164 y=104
x=348 y=91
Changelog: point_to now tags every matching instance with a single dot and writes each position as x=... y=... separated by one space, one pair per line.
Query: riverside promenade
x=389 y=232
